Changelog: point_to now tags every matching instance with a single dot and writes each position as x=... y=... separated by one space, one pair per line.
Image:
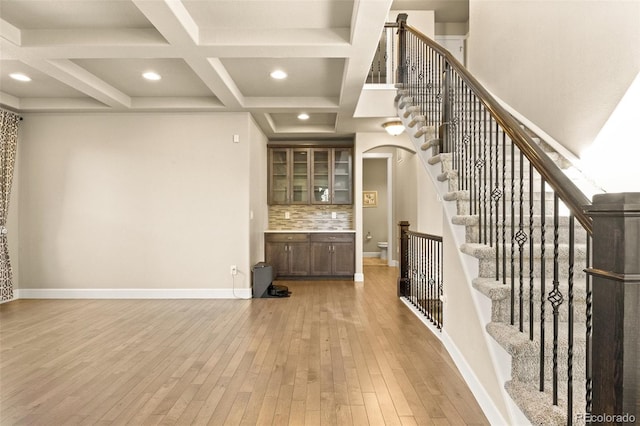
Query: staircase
x=527 y=294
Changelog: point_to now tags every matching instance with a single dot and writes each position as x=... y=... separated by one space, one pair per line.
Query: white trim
x=371 y=254
x=479 y=392
x=358 y=277
x=135 y=293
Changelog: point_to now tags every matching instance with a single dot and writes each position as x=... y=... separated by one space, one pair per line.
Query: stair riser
x=463 y=207
x=473 y=233
x=487 y=269
x=527 y=368
x=501 y=310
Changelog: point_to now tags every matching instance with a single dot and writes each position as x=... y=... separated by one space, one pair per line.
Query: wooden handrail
x=567 y=191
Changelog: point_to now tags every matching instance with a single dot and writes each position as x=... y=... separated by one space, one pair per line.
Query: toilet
x=383 y=249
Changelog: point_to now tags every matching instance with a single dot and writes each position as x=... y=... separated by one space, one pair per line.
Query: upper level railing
x=383 y=65
x=523 y=217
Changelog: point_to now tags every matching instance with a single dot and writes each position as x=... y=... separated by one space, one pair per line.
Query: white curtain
x=8 y=143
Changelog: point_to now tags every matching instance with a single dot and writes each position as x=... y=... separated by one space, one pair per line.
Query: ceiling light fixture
x=303 y=116
x=153 y=76
x=394 y=128
x=19 y=76
x=278 y=75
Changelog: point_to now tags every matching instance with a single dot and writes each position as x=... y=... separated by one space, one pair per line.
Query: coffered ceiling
x=212 y=55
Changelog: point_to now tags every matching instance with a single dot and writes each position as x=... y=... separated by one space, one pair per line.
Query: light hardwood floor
x=335 y=352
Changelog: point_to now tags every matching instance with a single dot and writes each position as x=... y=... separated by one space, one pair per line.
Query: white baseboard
x=484 y=400
x=134 y=293
x=371 y=254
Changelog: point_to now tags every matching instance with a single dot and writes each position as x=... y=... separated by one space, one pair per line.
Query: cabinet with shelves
x=288 y=176
x=332 y=177
x=310 y=175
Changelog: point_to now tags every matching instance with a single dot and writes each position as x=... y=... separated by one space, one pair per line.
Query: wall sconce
x=394 y=128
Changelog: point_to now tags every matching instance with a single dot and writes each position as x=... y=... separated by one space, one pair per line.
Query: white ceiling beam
x=171 y=19
x=9 y=100
x=10 y=33
x=94 y=37
x=274 y=37
x=292 y=104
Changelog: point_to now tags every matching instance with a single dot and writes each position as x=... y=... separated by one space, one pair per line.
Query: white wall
x=143 y=201
x=562 y=64
x=258 y=215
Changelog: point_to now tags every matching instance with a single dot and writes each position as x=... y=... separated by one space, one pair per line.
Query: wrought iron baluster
x=555 y=297
x=570 y=320
x=589 y=383
x=513 y=233
x=543 y=231
x=484 y=175
x=504 y=208
x=521 y=238
x=531 y=250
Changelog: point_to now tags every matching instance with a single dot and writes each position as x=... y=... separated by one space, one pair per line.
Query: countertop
x=308 y=231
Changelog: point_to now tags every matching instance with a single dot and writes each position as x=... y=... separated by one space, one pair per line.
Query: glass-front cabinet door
x=300 y=176
x=320 y=176
x=279 y=173
x=342 y=176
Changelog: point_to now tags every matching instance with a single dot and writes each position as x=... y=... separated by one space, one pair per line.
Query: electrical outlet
x=287 y=215
x=334 y=215
x=234 y=270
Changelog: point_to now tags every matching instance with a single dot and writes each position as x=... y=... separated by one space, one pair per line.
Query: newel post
x=403 y=279
x=616 y=308
x=401 y=20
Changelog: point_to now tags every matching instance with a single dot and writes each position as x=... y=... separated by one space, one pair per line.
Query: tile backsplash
x=313 y=217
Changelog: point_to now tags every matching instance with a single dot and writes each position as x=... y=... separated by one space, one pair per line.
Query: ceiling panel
x=40 y=86
x=178 y=79
x=306 y=76
x=263 y=14
x=315 y=119
x=72 y=14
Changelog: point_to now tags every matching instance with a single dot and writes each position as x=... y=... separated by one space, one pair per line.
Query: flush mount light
x=303 y=116
x=278 y=75
x=394 y=128
x=153 y=76
x=19 y=76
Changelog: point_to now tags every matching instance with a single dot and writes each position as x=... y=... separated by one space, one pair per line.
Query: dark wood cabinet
x=288 y=176
x=331 y=176
x=322 y=255
x=310 y=176
x=332 y=254
x=287 y=253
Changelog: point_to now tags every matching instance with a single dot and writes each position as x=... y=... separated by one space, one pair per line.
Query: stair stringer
x=466 y=310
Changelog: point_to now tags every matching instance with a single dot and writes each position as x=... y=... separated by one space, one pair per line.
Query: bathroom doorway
x=377 y=211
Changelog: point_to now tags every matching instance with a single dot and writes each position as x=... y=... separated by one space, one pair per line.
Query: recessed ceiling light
x=303 y=116
x=150 y=75
x=19 y=76
x=278 y=75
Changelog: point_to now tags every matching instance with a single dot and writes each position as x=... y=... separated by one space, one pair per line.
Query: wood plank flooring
x=334 y=353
